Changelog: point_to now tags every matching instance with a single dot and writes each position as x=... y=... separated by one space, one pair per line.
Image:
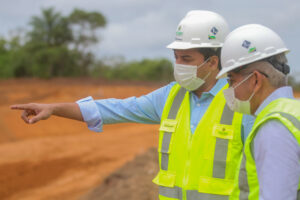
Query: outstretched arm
x=34 y=112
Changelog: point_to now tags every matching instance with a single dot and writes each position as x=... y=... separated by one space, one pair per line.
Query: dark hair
x=209 y=52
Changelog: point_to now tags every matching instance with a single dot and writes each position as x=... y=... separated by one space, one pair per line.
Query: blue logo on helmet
x=246 y=44
x=214 y=30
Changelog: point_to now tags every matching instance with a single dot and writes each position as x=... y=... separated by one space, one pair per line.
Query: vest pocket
x=218 y=186
x=223 y=131
x=167 y=128
x=219 y=143
x=168 y=125
x=165 y=178
x=217 y=153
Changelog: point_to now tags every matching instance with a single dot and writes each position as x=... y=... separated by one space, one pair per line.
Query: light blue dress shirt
x=148 y=109
x=277 y=155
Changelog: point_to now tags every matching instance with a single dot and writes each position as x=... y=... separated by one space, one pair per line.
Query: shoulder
x=274 y=135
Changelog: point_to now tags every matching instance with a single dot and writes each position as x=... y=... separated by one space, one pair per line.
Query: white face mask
x=235 y=104
x=186 y=76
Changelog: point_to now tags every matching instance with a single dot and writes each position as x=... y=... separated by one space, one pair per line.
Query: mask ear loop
x=251 y=96
x=206 y=76
x=243 y=80
x=202 y=65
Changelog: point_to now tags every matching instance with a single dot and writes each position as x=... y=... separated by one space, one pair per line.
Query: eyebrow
x=183 y=56
x=186 y=56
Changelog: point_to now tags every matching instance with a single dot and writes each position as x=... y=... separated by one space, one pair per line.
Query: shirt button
x=192 y=126
x=198 y=104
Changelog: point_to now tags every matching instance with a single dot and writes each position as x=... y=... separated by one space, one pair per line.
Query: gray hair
x=274 y=67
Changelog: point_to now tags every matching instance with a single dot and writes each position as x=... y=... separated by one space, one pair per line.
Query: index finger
x=21 y=106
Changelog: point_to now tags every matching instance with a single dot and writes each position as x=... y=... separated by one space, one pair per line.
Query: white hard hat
x=247 y=44
x=200 y=29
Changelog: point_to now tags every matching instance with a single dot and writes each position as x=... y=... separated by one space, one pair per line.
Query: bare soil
x=60 y=158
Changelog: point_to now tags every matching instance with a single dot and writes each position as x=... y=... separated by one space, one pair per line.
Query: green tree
x=52 y=48
x=85 y=24
x=51 y=29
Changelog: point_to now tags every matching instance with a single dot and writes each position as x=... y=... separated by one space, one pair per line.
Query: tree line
x=59 y=46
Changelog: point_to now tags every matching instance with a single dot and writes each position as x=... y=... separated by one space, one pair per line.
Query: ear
x=257 y=80
x=214 y=62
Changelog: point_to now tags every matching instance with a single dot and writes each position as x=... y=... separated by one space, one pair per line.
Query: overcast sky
x=142 y=28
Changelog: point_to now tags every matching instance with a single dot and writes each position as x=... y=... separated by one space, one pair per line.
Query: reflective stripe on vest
x=243 y=178
x=195 y=195
x=220 y=156
x=291 y=118
x=167 y=136
x=221 y=149
x=176 y=193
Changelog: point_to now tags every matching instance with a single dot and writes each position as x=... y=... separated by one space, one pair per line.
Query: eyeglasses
x=230 y=82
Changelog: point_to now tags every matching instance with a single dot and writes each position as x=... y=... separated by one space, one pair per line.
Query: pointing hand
x=34 y=112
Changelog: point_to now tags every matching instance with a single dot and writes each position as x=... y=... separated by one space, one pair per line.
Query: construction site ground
x=61 y=159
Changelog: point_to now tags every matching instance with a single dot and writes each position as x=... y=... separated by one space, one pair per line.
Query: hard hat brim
x=188 y=45
x=223 y=73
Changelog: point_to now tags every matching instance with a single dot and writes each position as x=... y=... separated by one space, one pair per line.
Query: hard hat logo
x=251 y=50
x=214 y=31
x=247 y=44
x=179 y=31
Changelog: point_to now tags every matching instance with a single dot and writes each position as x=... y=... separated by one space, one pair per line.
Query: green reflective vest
x=200 y=165
x=287 y=111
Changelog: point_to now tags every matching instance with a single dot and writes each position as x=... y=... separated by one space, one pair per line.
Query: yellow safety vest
x=287 y=111
x=200 y=165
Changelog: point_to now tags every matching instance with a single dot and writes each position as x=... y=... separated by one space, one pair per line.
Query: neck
x=260 y=96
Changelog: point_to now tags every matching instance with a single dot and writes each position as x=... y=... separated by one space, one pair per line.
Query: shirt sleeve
x=277 y=156
x=144 y=109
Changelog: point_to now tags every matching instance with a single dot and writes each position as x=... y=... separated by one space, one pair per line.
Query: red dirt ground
x=60 y=158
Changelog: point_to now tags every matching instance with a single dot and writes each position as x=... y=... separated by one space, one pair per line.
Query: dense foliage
x=58 y=45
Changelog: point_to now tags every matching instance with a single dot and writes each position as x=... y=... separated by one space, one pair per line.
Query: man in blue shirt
x=199 y=38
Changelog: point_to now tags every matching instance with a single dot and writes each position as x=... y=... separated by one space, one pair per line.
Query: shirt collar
x=217 y=87
x=214 y=90
x=282 y=92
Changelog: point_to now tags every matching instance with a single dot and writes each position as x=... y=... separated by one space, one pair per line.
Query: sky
x=140 y=29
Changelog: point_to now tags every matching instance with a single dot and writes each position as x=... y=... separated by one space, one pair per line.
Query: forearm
x=67 y=110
